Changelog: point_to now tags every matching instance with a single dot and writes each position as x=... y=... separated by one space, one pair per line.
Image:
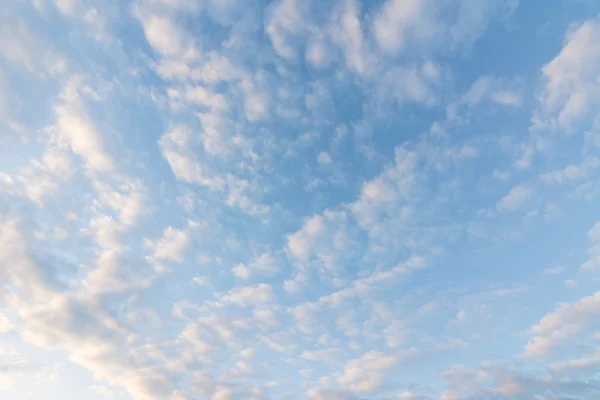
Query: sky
x=300 y=200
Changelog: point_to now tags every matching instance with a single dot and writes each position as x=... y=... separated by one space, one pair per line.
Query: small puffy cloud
x=264 y=264
x=175 y=148
x=554 y=271
x=203 y=96
x=324 y=158
x=331 y=355
x=164 y=34
x=514 y=198
x=507 y=98
x=570 y=283
x=265 y=316
x=250 y=295
x=300 y=243
x=170 y=246
x=241 y=271
x=128 y=199
x=257 y=101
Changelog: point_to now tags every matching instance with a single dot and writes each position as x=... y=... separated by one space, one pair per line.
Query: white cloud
x=265 y=316
x=554 y=271
x=285 y=23
x=364 y=374
x=239 y=196
x=473 y=19
x=43 y=178
x=569 y=283
x=274 y=345
x=164 y=35
x=18 y=267
x=399 y=23
x=572 y=172
x=174 y=146
x=514 y=198
x=127 y=200
x=241 y=271
x=263 y=264
x=507 y=98
x=171 y=246
x=325 y=242
x=201 y=95
x=576 y=366
x=257 y=101
x=250 y=295
x=410 y=396
x=22 y=45
x=561 y=325
x=299 y=244
x=594 y=251
x=77 y=130
x=324 y=158
x=570 y=79
x=495 y=89
x=331 y=355
x=344 y=314
x=415 y=83
x=347 y=33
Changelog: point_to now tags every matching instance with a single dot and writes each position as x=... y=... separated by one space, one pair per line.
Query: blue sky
x=217 y=199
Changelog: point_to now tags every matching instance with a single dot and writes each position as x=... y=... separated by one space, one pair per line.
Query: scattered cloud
x=570 y=80
x=514 y=198
x=299 y=199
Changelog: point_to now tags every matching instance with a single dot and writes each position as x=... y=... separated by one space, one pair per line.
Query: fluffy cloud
x=174 y=147
x=171 y=246
x=594 y=251
x=398 y=22
x=572 y=172
x=262 y=264
x=250 y=295
x=561 y=325
x=514 y=198
x=77 y=130
x=364 y=374
x=570 y=79
x=286 y=21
